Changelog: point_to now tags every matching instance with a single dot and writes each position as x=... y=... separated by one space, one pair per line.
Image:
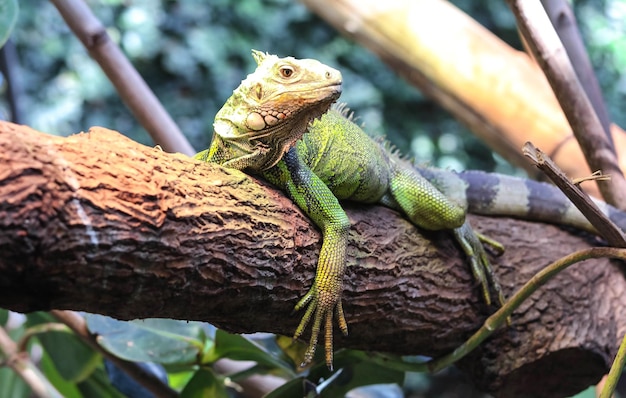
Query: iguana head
x=272 y=109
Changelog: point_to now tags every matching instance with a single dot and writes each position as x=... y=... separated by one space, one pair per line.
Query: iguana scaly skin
x=261 y=129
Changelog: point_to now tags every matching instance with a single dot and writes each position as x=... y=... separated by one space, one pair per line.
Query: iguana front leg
x=236 y=153
x=324 y=298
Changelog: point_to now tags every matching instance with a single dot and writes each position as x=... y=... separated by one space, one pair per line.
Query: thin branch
x=25 y=368
x=129 y=84
x=607 y=229
x=547 y=49
x=41 y=328
x=9 y=67
x=564 y=21
x=502 y=314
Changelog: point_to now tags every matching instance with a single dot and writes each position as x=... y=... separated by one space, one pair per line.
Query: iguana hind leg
x=429 y=208
x=472 y=244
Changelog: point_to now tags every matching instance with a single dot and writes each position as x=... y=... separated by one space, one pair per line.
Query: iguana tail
x=499 y=195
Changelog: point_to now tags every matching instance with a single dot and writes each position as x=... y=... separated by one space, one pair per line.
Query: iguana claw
x=472 y=244
x=323 y=304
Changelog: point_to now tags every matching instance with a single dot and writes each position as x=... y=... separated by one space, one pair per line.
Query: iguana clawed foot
x=472 y=244
x=320 y=305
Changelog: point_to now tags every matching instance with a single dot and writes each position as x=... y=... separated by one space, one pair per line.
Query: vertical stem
x=615 y=372
x=130 y=85
x=564 y=21
x=537 y=30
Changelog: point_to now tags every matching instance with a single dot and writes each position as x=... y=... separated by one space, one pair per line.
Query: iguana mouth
x=315 y=89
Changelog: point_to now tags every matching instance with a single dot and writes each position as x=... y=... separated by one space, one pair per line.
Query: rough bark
x=98 y=223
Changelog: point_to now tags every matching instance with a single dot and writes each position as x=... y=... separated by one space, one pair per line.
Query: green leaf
x=66 y=388
x=165 y=341
x=204 y=383
x=298 y=387
x=97 y=385
x=293 y=349
x=11 y=385
x=8 y=16
x=178 y=380
x=353 y=370
x=237 y=347
x=4 y=314
x=73 y=359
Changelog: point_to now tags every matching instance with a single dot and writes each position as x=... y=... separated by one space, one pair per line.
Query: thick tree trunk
x=98 y=223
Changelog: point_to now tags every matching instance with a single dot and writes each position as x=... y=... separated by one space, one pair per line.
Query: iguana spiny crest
x=271 y=110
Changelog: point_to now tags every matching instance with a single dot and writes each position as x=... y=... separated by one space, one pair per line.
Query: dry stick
x=609 y=231
x=129 y=84
x=547 y=49
x=564 y=21
x=605 y=227
x=22 y=365
x=148 y=380
x=15 y=91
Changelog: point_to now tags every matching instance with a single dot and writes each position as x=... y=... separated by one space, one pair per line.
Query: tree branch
x=21 y=364
x=562 y=16
x=548 y=51
x=96 y=222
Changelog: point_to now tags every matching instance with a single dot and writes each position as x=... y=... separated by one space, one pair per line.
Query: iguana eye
x=286 y=71
x=258 y=91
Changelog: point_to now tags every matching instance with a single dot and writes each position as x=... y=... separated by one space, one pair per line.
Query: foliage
x=8 y=16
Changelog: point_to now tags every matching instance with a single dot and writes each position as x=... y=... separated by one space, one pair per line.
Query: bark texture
x=96 y=222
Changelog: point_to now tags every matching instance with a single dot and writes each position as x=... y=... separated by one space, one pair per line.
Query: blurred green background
x=194 y=53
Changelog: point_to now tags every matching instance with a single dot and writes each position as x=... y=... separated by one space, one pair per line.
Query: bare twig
x=23 y=366
x=130 y=85
x=605 y=227
x=40 y=329
x=564 y=21
x=547 y=49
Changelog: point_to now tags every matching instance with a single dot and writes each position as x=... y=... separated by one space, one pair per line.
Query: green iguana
x=261 y=129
